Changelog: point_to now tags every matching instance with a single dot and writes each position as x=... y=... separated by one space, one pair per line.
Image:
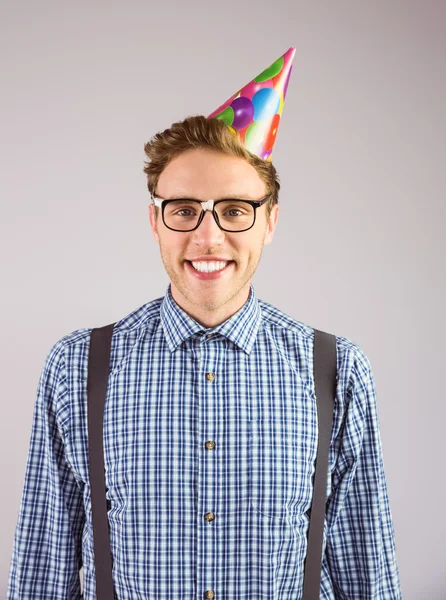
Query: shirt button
x=209 y=516
x=210 y=445
x=209 y=594
x=210 y=376
x=209 y=335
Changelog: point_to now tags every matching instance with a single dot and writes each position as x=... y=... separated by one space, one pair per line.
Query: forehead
x=205 y=173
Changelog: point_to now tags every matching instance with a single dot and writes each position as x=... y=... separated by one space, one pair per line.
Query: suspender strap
x=324 y=359
x=98 y=368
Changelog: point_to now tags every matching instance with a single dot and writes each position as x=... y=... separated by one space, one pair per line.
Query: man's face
x=203 y=174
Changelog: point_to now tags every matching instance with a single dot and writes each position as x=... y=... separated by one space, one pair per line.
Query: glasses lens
x=234 y=215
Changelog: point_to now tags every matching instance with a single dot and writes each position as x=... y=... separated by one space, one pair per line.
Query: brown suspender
x=324 y=359
x=98 y=368
x=325 y=389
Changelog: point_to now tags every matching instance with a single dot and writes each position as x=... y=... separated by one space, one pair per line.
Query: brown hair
x=198 y=131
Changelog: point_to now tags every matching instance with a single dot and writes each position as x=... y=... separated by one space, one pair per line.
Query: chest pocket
x=279 y=470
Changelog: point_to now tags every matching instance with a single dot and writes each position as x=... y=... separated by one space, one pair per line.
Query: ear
x=271 y=225
x=153 y=223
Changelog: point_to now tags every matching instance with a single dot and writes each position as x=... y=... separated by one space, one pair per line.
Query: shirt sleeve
x=47 y=551
x=361 y=543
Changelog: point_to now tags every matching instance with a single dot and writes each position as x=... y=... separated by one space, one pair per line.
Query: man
x=210 y=423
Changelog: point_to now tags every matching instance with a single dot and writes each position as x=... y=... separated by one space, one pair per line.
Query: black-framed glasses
x=230 y=214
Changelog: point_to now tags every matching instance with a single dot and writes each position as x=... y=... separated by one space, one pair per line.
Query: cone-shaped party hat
x=255 y=110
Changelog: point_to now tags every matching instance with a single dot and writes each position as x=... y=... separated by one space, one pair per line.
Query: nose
x=208 y=232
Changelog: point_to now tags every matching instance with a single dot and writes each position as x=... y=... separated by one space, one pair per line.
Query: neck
x=214 y=312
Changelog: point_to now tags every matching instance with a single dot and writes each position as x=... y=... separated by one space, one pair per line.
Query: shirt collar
x=241 y=328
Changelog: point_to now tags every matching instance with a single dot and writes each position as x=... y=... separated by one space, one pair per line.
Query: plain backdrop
x=359 y=248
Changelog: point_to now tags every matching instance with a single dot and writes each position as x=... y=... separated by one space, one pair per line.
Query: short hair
x=200 y=131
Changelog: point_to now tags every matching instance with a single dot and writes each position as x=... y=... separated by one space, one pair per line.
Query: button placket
x=209 y=515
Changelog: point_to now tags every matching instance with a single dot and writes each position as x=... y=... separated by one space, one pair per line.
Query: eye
x=233 y=207
x=183 y=207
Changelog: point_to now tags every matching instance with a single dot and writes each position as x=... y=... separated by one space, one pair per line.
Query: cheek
x=173 y=245
x=249 y=248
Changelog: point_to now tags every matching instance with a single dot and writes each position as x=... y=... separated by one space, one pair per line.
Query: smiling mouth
x=227 y=264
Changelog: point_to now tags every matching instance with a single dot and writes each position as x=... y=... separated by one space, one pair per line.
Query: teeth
x=209 y=266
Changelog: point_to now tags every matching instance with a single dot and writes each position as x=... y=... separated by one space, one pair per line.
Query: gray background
x=359 y=248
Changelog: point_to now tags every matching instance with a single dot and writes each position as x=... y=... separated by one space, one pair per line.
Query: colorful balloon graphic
x=243 y=112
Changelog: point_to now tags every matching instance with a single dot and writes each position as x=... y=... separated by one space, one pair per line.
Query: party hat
x=255 y=110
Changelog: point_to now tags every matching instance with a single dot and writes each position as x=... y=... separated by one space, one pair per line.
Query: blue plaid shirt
x=210 y=440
